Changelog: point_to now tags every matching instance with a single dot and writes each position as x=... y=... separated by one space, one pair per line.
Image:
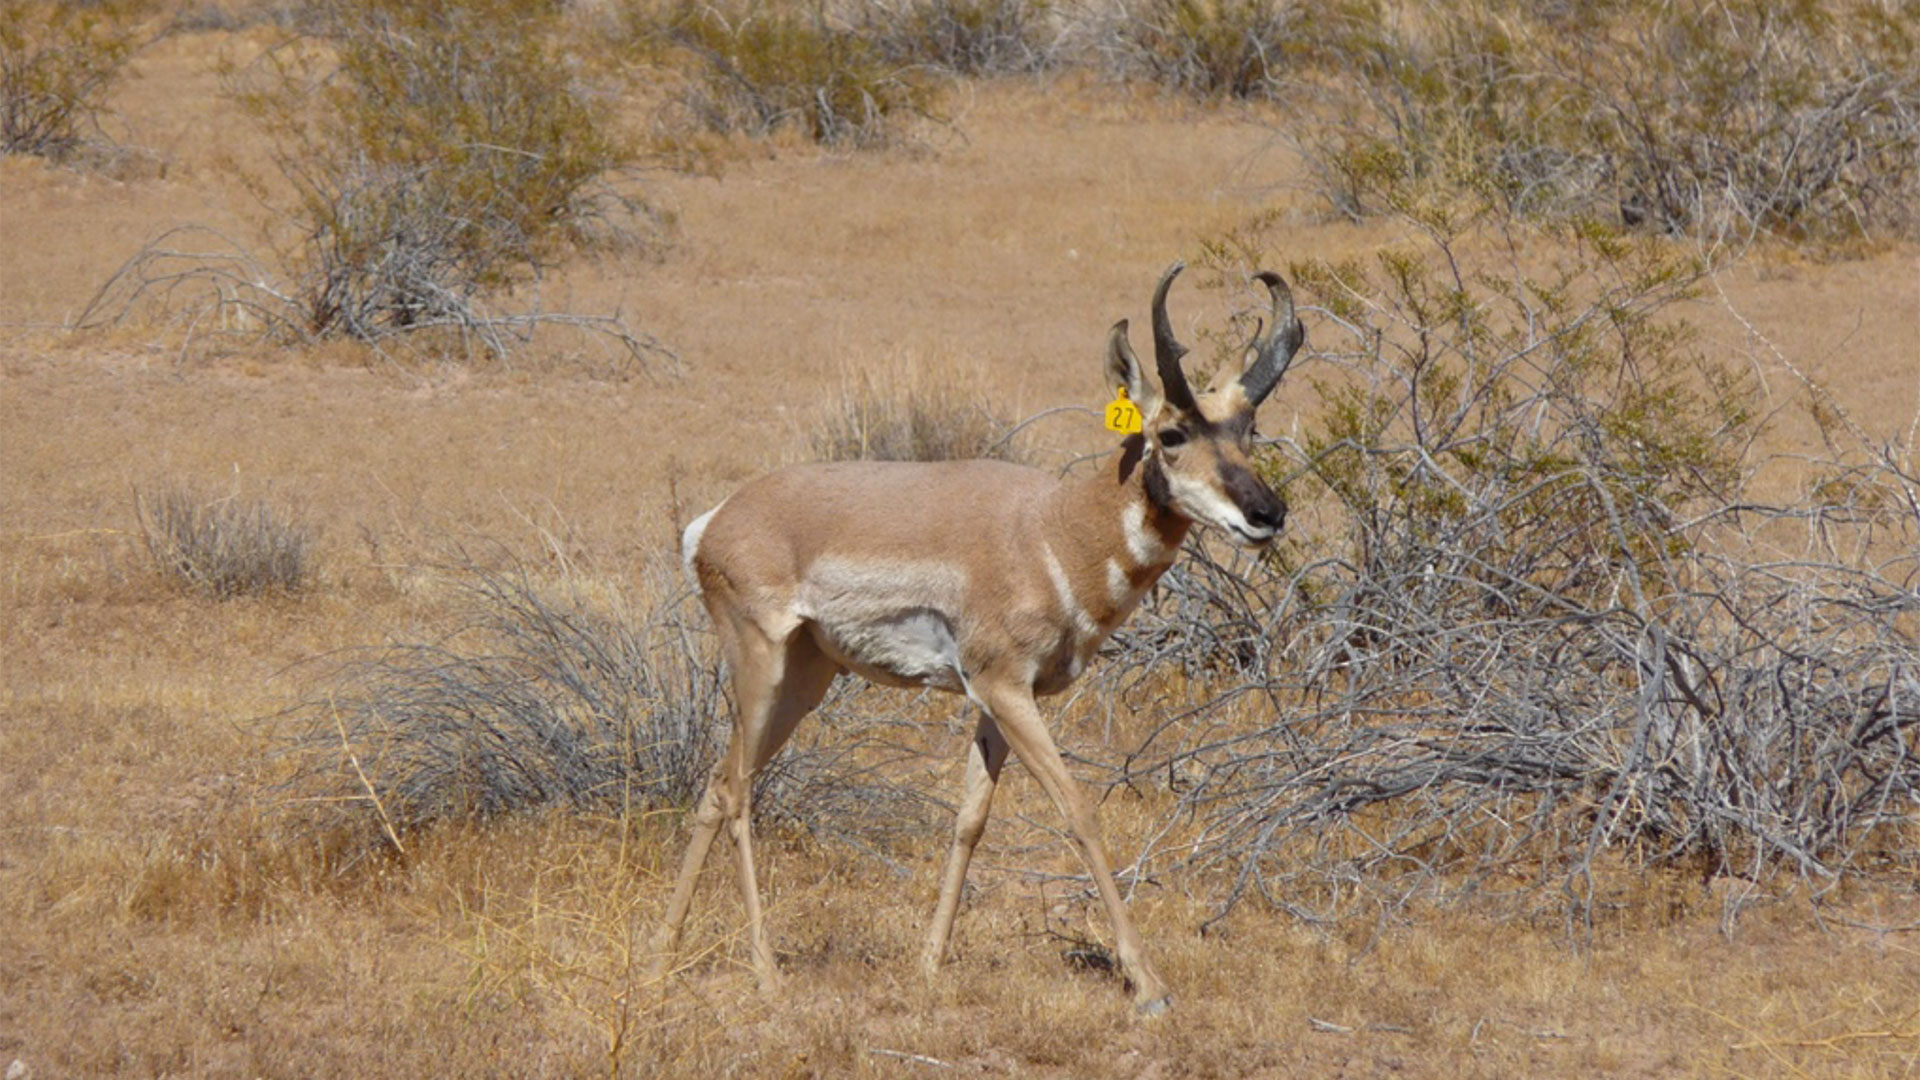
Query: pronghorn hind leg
x=775 y=685
x=986 y=755
x=799 y=680
x=707 y=818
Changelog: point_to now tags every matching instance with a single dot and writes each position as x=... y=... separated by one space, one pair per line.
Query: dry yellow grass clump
x=183 y=893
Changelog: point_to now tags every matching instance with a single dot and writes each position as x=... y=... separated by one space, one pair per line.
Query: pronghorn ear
x=1123 y=369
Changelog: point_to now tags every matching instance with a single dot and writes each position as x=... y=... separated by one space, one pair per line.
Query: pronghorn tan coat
x=981 y=578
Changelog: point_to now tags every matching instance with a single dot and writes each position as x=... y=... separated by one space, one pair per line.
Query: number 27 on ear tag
x=1122 y=414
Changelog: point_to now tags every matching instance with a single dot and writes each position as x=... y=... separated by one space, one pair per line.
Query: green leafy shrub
x=1209 y=48
x=438 y=152
x=58 y=62
x=759 y=66
x=1801 y=120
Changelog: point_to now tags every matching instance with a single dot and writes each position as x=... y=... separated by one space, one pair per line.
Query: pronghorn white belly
x=889 y=621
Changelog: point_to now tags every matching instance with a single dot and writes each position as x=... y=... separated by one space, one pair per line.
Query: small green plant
x=225 y=546
x=760 y=66
x=58 y=62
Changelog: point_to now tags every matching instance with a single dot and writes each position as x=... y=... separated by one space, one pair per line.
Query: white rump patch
x=690 y=541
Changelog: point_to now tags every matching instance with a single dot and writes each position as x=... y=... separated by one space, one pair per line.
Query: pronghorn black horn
x=1167 y=351
x=1273 y=353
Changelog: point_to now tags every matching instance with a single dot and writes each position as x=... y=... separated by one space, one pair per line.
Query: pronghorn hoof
x=1157 y=1007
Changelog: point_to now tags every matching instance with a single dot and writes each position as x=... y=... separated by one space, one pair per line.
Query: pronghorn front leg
x=1019 y=719
x=985 y=757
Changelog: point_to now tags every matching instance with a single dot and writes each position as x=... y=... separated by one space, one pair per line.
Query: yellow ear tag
x=1122 y=414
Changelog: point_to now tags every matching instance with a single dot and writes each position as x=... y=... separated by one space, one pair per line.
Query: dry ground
x=162 y=910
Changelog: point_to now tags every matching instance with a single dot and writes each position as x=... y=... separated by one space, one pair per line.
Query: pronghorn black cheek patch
x=1159 y=491
x=1132 y=449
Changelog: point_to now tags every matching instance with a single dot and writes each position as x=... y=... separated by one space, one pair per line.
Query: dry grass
x=225 y=545
x=165 y=908
x=913 y=415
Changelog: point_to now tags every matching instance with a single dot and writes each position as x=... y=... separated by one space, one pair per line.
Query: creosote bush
x=225 y=546
x=439 y=152
x=1801 y=119
x=761 y=66
x=441 y=158
x=1208 y=48
x=966 y=37
x=58 y=62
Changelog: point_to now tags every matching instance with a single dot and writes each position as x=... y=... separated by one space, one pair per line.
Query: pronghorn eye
x=1172 y=437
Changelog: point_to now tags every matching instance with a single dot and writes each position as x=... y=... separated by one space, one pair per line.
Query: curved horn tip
x=1166 y=279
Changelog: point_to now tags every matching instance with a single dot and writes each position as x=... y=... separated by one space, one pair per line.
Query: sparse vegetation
x=1544 y=618
x=58 y=62
x=225 y=545
x=1567 y=623
x=1208 y=48
x=560 y=692
x=1799 y=120
x=910 y=420
x=761 y=66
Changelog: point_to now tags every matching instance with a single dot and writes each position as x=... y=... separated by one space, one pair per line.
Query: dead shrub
x=555 y=690
x=879 y=419
x=1529 y=611
x=225 y=545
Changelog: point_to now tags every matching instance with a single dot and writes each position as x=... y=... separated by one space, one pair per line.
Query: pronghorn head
x=1194 y=445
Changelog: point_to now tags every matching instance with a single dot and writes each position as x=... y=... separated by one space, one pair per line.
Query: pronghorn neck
x=1126 y=505
x=1108 y=540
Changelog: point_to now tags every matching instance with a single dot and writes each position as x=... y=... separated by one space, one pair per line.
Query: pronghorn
x=981 y=578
